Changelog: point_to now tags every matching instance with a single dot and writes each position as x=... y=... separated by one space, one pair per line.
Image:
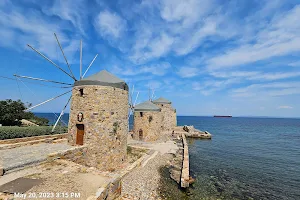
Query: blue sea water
x=247 y=158
x=52 y=117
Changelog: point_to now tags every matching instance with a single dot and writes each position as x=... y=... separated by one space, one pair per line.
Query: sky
x=209 y=57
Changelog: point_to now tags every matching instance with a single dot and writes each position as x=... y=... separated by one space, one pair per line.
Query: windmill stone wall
x=168 y=113
x=103 y=110
x=149 y=124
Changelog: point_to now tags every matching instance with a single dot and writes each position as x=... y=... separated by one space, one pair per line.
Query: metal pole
x=90 y=65
x=152 y=94
x=40 y=79
x=80 y=59
x=64 y=56
x=7 y=78
x=47 y=101
x=61 y=114
x=51 y=61
x=35 y=94
x=132 y=94
x=136 y=98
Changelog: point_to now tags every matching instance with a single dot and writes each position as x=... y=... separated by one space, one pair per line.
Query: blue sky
x=208 y=57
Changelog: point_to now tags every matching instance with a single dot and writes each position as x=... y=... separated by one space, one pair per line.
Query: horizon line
x=238 y=116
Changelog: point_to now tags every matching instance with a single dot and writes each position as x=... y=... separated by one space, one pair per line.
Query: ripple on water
x=247 y=158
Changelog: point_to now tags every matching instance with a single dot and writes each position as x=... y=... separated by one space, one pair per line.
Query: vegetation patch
x=12 y=112
x=11 y=132
x=150 y=119
x=135 y=153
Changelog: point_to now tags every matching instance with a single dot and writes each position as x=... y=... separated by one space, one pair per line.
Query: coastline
x=160 y=177
x=145 y=182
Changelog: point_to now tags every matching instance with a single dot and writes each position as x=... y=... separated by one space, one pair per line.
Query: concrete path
x=161 y=147
x=26 y=155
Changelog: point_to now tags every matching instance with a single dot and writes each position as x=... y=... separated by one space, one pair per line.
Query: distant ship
x=222 y=116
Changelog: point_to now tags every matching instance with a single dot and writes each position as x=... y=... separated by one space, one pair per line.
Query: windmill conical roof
x=146 y=106
x=161 y=100
x=103 y=78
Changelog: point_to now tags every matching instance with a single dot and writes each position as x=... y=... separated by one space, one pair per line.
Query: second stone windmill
x=98 y=114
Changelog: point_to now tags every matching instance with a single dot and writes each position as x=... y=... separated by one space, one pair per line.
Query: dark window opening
x=141 y=114
x=141 y=134
x=81 y=92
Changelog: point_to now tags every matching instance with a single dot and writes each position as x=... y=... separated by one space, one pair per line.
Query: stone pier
x=185 y=171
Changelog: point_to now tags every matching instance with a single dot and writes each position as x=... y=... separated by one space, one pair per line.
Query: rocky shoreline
x=144 y=182
x=159 y=179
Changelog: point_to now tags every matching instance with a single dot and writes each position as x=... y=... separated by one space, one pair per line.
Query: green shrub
x=11 y=132
x=116 y=126
x=39 y=120
x=150 y=119
x=11 y=113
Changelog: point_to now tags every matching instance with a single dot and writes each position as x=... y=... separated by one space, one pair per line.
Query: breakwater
x=185 y=171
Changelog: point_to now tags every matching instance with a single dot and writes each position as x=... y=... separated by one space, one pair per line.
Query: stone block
x=1 y=171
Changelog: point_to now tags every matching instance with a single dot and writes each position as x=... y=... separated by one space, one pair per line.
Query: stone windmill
x=64 y=84
x=98 y=114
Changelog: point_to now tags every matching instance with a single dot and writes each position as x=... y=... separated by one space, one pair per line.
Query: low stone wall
x=20 y=144
x=112 y=188
x=74 y=154
x=185 y=172
x=26 y=139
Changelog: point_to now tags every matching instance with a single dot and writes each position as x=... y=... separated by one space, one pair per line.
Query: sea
x=247 y=158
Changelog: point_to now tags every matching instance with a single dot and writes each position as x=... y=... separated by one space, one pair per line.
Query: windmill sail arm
x=80 y=60
x=61 y=114
x=51 y=99
x=89 y=65
x=50 y=61
x=40 y=79
x=64 y=56
x=136 y=98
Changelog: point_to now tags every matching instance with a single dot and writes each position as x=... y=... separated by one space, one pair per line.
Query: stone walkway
x=26 y=155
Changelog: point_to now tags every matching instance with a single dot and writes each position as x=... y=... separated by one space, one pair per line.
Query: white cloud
x=186 y=72
x=255 y=75
x=279 y=37
x=18 y=29
x=148 y=47
x=268 y=89
x=185 y=26
x=232 y=74
x=188 y=43
x=185 y=12
x=158 y=69
x=209 y=87
x=110 y=24
x=275 y=76
x=70 y=11
x=294 y=64
x=284 y=107
x=154 y=85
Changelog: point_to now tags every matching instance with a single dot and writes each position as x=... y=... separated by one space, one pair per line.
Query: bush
x=11 y=112
x=150 y=119
x=39 y=120
x=11 y=132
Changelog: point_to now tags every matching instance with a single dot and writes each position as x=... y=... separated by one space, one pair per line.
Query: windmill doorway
x=79 y=134
x=140 y=134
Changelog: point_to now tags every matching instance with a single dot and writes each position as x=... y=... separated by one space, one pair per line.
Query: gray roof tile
x=146 y=106
x=161 y=100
